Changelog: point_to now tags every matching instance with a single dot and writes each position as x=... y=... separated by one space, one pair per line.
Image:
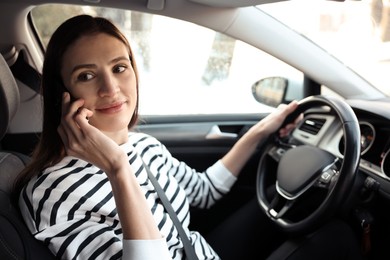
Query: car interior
x=347 y=138
x=16 y=240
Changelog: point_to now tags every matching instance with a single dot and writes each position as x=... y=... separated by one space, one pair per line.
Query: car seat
x=16 y=241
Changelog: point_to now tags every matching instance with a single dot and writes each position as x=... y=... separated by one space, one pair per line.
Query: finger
x=69 y=126
x=291 y=106
x=82 y=117
x=298 y=119
x=63 y=129
x=283 y=133
x=287 y=129
x=65 y=103
x=69 y=109
x=286 y=111
x=73 y=110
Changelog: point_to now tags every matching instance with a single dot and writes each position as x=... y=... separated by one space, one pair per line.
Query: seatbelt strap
x=26 y=74
x=188 y=248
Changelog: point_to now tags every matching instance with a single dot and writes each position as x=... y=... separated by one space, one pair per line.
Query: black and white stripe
x=71 y=209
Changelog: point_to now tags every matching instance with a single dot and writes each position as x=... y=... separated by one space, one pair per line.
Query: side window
x=184 y=68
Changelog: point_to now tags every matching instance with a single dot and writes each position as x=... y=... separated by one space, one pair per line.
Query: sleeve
x=73 y=212
x=140 y=249
x=203 y=189
x=221 y=176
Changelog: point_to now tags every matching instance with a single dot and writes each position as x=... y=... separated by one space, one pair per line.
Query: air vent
x=312 y=125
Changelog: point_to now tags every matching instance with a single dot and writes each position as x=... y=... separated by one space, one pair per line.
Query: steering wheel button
x=273 y=213
x=280 y=151
x=325 y=177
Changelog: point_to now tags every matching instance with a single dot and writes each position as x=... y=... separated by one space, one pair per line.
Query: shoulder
x=143 y=140
x=68 y=163
x=147 y=146
x=63 y=174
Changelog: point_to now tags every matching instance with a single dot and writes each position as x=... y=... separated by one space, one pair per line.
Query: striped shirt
x=70 y=206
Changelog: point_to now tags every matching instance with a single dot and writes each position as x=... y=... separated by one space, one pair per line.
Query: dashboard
x=374 y=120
x=324 y=130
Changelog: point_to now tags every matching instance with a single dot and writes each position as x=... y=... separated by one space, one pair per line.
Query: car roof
x=239 y=19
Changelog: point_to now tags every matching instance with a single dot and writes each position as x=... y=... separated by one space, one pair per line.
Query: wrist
x=119 y=164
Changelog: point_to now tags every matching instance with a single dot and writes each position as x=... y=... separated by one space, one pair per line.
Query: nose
x=109 y=86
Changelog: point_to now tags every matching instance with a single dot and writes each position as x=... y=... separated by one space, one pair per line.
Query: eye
x=85 y=76
x=119 y=68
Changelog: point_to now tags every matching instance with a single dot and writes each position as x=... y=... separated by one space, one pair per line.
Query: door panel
x=200 y=141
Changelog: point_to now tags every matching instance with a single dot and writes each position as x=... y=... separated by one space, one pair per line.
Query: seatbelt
x=26 y=74
x=188 y=248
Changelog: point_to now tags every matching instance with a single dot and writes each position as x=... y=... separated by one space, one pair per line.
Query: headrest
x=9 y=96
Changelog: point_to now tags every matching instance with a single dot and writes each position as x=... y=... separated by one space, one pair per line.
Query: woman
x=86 y=193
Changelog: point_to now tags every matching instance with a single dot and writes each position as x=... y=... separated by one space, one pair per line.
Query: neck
x=119 y=137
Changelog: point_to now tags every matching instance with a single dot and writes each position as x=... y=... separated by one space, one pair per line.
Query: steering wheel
x=306 y=173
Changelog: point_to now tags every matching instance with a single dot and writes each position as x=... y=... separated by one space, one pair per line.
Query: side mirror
x=273 y=91
x=270 y=91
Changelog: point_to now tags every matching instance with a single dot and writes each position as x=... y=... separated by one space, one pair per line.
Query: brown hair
x=50 y=149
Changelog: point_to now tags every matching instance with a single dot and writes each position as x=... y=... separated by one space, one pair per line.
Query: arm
x=73 y=232
x=86 y=142
x=240 y=153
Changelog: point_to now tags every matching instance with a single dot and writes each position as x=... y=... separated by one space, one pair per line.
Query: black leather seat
x=16 y=242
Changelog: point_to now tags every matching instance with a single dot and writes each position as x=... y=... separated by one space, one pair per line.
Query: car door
x=200 y=141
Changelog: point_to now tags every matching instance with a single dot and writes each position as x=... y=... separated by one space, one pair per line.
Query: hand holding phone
x=85 y=141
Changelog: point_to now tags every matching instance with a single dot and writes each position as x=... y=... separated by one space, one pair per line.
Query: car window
x=184 y=68
x=355 y=32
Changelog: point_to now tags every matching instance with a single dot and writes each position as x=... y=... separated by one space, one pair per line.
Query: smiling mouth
x=111 y=108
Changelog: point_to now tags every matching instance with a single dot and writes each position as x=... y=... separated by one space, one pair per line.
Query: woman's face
x=97 y=68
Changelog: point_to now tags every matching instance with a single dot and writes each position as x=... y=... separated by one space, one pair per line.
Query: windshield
x=355 y=32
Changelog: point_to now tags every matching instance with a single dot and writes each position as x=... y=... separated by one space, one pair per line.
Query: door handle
x=216 y=133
